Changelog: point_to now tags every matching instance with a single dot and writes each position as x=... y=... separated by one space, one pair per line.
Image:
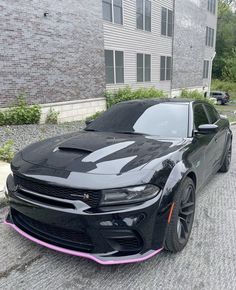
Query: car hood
x=100 y=152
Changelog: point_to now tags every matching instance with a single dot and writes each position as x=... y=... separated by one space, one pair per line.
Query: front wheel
x=226 y=164
x=180 y=226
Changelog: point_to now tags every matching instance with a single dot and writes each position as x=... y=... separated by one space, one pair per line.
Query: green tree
x=229 y=70
x=225 y=38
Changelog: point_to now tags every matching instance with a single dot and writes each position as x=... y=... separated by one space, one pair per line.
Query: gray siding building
x=65 y=54
x=168 y=44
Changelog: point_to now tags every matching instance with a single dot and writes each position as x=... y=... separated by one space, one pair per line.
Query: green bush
x=191 y=94
x=128 y=94
x=94 y=116
x=195 y=95
x=6 y=151
x=52 y=117
x=20 y=114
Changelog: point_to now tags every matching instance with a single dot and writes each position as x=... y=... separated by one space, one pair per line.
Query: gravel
x=26 y=134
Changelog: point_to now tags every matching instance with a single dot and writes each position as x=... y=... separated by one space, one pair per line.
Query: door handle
x=216 y=139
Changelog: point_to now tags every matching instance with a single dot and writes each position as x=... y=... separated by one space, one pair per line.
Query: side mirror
x=207 y=129
x=88 y=122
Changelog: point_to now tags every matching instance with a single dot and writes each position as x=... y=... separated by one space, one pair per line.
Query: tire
x=220 y=102
x=226 y=164
x=178 y=231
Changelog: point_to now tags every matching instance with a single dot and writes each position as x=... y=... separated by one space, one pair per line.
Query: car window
x=159 y=119
x=200 y=116
x=212 y=113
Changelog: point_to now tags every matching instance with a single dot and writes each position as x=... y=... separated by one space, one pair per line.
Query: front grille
x=92 y=198
x=71 y=239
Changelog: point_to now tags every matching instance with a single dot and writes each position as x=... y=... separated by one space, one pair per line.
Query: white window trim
x=112 y=14
x=143 y=53
x=165 y=80
x=167 y=19
x=206 y=60
x=144 y=18
x=114 y=65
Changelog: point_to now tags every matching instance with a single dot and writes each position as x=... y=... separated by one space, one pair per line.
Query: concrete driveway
x=208 y=262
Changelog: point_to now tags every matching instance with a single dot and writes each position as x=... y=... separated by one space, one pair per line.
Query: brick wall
x=51 y=59
x=189 y=43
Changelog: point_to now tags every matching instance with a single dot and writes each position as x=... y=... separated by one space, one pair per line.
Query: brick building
x=64 y=54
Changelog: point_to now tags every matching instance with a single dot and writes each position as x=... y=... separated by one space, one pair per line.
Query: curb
x=232 y=123
x=4 y=171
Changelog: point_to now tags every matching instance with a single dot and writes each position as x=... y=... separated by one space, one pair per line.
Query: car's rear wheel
x=180 y=226
x=226 y=164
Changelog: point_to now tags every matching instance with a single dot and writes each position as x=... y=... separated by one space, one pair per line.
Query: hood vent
x=75 y=150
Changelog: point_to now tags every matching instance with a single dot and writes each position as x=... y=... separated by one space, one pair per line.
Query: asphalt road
x=208 y=262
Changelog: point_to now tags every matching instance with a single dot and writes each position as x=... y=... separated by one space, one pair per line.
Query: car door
x=220 y=137
x=205 y=144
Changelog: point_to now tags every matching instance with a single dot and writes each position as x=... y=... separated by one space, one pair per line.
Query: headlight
x=129 y=195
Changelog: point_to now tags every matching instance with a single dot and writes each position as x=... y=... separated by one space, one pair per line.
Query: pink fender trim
x=81 y=254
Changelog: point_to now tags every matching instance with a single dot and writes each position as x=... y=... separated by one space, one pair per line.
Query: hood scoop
x=74 y=150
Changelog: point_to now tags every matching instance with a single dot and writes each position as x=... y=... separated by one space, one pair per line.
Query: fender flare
x=174 y=181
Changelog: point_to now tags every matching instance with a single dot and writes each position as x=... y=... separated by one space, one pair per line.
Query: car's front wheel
x=180 y=226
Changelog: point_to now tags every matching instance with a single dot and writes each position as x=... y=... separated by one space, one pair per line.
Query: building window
x=166 y=22
x=143 y=67
x=113 y=11
x=211 y=6
x=210 y=34
x=114 y=62
x=143 y=14
x=206 y=69
x=165 y=68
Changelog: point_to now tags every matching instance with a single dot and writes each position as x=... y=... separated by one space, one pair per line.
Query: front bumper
x=115 y=235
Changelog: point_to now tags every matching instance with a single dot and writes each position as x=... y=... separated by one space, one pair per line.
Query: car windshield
x=158 y=119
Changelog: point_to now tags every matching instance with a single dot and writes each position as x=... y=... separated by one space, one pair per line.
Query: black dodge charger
x=124 y=188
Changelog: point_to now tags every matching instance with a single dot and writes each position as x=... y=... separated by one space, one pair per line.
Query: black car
x=124 y=188
x=222 y=98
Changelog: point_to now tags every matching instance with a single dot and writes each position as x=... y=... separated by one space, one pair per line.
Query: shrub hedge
x=20 y=114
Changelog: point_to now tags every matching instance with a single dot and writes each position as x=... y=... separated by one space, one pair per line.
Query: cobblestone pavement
x=208 y=262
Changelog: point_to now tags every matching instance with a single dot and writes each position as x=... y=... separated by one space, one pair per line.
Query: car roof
x=164 y=100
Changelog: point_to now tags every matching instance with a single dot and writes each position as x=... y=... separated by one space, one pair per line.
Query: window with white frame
x=143 y=67
x=211 y=6
x=114 y=62
x=206 y=69
x=113 y=11
x=143 y=14
x=166 y=22
x=210 y=34
x=165 y=68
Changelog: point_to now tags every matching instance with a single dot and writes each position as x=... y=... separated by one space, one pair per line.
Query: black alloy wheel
x=186 y=214
x=180 y=226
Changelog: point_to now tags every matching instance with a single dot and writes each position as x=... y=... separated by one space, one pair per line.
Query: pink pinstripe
x=80 y=254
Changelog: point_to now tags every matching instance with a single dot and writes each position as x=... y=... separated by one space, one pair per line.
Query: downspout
x=210 y=75
x=214 y=54
x=172 y=50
